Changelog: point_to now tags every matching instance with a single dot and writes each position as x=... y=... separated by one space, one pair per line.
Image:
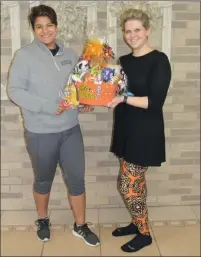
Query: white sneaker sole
x=44 y=240
x=77 y=235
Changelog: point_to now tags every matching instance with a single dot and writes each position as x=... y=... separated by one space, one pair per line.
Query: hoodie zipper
x=39 y=44
x=55 y=63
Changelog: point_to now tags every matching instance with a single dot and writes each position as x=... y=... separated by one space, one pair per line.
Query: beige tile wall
x=176 y=182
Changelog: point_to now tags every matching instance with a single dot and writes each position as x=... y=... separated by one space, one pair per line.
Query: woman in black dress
x=138 y=136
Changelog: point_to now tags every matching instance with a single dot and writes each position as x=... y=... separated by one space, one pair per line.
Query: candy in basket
x=98 y=79
x=94 y=80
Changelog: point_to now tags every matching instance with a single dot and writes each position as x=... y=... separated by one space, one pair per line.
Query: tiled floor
x=175 y=231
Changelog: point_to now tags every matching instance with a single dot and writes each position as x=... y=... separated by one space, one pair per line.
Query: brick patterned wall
x=176 y=182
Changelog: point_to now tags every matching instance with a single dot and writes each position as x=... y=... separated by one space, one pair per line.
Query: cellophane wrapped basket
x=94 y=81
x=99 y=79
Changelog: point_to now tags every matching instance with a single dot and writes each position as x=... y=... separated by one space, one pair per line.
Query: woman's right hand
x=117 y=100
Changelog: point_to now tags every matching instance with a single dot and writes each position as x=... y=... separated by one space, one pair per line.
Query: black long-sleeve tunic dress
x=138 y=134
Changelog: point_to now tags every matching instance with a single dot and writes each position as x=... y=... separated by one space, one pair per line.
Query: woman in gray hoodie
x=37 y=74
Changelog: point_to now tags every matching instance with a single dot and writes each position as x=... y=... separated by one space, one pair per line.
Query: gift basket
x=98 y=85
x=94 y=80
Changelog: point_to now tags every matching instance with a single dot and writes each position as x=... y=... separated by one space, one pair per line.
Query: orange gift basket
x=95 y=94
x=94 y=81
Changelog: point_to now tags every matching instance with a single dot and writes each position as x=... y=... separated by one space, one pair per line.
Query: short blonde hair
x=134 y=14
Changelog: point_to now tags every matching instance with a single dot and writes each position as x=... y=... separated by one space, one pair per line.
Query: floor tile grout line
x=42 y=249
x=156 y=240
x=194 y=215
x=184 y=223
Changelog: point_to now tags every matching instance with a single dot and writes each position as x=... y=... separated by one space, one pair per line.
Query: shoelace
x=45 y=223
x=84 y=228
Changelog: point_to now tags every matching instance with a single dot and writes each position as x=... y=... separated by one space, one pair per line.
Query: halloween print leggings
x=132 y=186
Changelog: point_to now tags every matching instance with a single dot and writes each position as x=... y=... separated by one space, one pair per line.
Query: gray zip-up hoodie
x=35 y=79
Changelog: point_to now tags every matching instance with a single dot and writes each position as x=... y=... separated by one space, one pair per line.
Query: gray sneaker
x=43 y=231
x=86 y=234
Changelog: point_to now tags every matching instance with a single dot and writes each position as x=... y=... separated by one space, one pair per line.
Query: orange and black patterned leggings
x=132 y=186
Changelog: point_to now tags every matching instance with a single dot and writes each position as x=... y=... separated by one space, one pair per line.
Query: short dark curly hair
x=42 y=10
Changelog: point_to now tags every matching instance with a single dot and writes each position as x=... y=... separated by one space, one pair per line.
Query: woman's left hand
x=86 y=108
x=117 y=100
